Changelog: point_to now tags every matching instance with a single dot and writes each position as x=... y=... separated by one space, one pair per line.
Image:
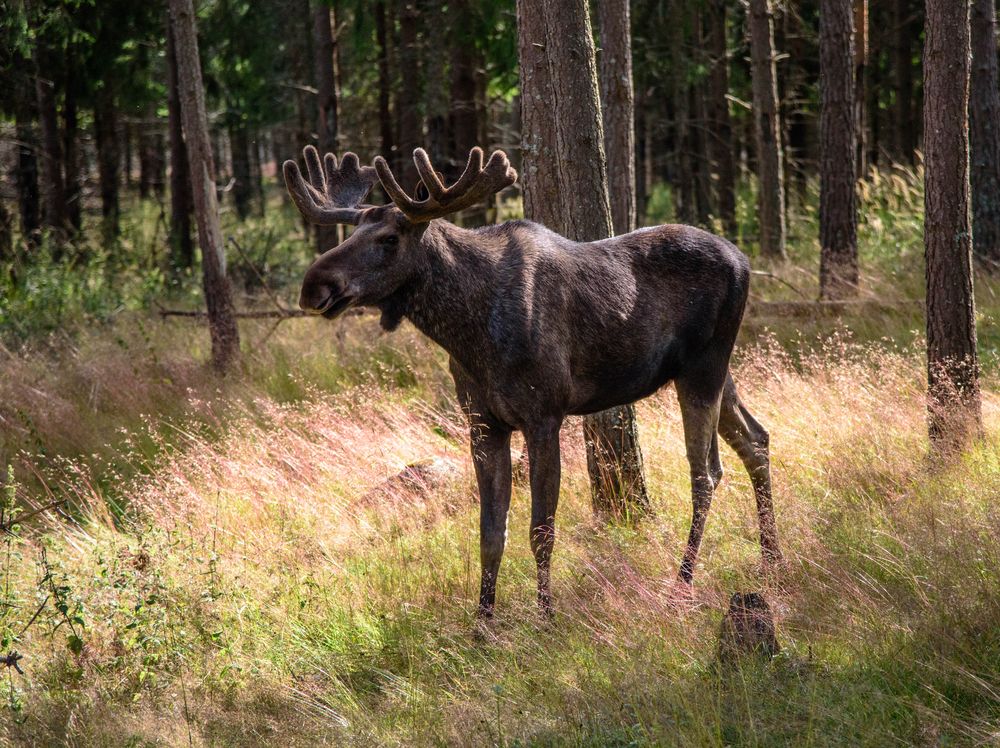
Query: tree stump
x=747 y=628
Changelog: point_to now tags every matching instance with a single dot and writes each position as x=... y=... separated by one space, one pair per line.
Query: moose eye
x=389 y=241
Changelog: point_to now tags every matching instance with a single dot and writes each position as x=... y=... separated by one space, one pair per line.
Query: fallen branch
x=828 y=308
x=261 y=314
x=772 y=276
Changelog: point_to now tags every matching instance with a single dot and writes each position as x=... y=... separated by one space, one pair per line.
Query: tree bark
x=218 y=295
x=720 y=131
x=984 y=134
x=905 y=140
x=239 y=145
x=108 y=158
x=952 y=362
x=838 y=216
x=410 y=94
x=54 y=214
x=327 y=120
x=463 y=115
x=388 y=143
x=27 y=165
x=566 y=188
x=181 y=201
x=71 y=151
x=860 y=66
x=618 y=109
x=767 y=131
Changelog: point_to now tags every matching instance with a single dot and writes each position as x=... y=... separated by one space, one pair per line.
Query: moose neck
x=450 y=298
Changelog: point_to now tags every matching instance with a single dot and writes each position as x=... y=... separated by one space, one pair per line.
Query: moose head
x=385 y=249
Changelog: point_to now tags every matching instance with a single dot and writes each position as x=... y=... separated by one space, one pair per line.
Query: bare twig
x=772 y=276
x=5 y=526
x=10 y=660
x=260 y=277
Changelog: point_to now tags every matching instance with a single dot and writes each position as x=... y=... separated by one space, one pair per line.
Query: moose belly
x=622 y=381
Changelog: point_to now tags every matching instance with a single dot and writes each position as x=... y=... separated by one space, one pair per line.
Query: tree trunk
x=6 y=232
x=181 y=201
x=54 y=214
x=71 y=152
x=463 y=117
x=720 y=134
x=952 y=361
x=327 y=122
x=984 y=134
x=860 y=66
x=618 y=109
x=388 y=143
x=27 y=166
x=218 y=295
x=410 y=91
x=838 y=217
x=239 y=145
x=108 y=159
x=767 y=131
x=905 y=129
x=566 y=188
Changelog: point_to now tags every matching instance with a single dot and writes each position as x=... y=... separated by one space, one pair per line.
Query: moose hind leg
x=750 y=441
x=700 y=415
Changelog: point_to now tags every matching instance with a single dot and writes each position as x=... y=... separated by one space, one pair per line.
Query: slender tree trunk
x=388 y=143
x=327 y=123
x=984 y=133
x=108 y=159
x=838 y=217
x=860 y=67
x=720 y=132
x=71 y=152
x=767 y=130
x=905 y=129
x=566 y=188
x=27 y=166
x=181 y=201
x=410 y=93
x=952 y=361
x=218 y=295
x=239 y=144
x=463 y=116
x=54 y=214
x=618 y=108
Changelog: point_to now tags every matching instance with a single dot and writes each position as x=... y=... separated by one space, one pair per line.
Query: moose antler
x=333 y=193
x=475 y=184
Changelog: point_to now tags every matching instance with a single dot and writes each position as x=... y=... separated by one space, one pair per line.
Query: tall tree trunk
x=719 y=131
x=327 y=123
x=27 y=164
x=952 y=361
x=410 y=94
x=860 y=67
x=463 y=116
x=984 y=133
x=108 y=158
x=181 y=201
x=54 y=214
x=388 y=143
x=566 y=188
x=239 y=145
x=838 y=217
x=71 y=151
x=905 y=130
x=618 y=109
x=218 y=295
x=767 y=131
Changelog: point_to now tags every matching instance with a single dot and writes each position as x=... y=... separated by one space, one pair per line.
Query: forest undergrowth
x=195 y=561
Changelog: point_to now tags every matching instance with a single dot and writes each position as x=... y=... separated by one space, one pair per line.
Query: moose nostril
x=316 y=297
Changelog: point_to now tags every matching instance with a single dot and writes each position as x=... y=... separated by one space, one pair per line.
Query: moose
x=539 y=327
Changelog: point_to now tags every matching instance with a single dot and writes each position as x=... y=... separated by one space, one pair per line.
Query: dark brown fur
x=539 y=327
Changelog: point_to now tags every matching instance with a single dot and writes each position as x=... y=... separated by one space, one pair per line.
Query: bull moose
x=539 y=327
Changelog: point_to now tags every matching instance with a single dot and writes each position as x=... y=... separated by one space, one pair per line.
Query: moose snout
x=316 y=294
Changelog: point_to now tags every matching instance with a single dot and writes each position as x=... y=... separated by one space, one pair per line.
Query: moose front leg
x=700 y=415
x=542 y=442
x=491 y=457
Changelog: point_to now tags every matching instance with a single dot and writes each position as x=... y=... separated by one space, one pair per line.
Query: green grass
x=231 y=566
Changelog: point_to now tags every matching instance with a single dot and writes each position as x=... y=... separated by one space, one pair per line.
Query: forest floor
x=232 y=562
